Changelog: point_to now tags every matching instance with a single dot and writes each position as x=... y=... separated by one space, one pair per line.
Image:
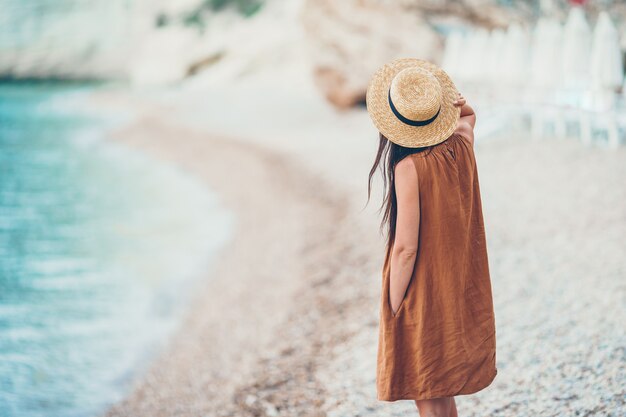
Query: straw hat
x=411 y=101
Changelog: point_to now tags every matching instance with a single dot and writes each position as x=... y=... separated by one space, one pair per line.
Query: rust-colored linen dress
x=442 y=340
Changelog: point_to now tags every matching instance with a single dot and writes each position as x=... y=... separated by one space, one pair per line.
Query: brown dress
x=442 y=340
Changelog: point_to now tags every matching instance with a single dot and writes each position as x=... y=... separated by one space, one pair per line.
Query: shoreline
x=250 y=332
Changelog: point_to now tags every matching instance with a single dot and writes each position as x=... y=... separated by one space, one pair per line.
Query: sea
x=101 y=248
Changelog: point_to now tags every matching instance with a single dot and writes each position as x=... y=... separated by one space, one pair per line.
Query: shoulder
x=405 y=167
x=405 y=173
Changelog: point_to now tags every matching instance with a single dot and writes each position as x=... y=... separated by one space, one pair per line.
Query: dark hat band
x=409 y=121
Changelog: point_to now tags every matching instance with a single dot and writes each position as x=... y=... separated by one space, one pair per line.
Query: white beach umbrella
x=466 y=57
x=606 y=57
x=545 y=60
x=495 y=51
x=576 y=50
x=452 y=61
x=516 y=56
x=463 y=55
x=476 y=55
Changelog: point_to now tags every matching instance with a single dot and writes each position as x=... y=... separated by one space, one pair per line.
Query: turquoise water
x=99 y=247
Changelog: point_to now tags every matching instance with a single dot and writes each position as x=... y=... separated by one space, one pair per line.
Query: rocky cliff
x=338 y=44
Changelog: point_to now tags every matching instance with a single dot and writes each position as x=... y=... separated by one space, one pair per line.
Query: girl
x=437 y=326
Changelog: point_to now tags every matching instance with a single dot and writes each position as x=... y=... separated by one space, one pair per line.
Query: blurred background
x=109 y=113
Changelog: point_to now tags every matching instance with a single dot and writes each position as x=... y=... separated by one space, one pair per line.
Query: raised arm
x=467 y=119
x=407 y=231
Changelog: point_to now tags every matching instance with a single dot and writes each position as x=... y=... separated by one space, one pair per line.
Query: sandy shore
x=286 y=323
x=253 y=338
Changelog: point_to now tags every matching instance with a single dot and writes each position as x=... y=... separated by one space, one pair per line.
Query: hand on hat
x=460 y=102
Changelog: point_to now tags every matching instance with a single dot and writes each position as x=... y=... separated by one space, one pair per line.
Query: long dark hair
x=388 y=155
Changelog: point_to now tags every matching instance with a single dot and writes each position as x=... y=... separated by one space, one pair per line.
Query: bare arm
x=407 y=231
x=467 y=119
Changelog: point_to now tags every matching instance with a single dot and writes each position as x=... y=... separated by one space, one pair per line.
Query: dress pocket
x=402 y=303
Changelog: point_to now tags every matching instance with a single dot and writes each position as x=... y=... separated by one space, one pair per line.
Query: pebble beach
x=287 y=323
x=185 y=214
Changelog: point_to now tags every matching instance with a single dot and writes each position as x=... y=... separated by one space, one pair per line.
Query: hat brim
x=391 y=127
